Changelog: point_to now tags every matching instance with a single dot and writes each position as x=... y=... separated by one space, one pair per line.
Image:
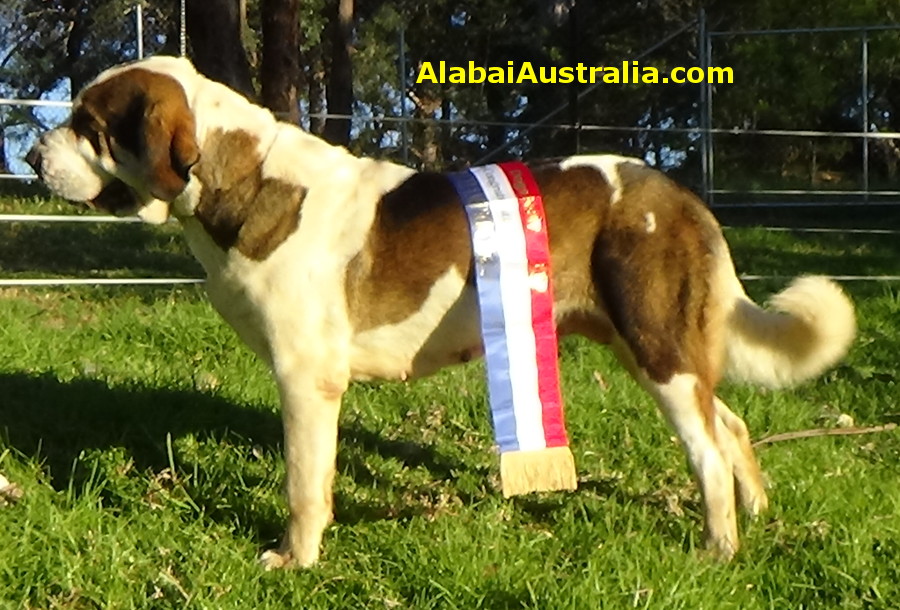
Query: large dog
x=334 y=268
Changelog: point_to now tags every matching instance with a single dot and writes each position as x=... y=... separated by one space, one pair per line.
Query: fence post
x=404 y=117
x=864 y=86
x=704 y=53
x=139 y=27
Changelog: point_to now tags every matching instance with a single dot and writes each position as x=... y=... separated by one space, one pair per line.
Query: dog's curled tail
x=804 y=329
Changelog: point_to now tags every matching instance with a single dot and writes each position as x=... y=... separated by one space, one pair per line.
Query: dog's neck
x=237 y=137
x=258 y=177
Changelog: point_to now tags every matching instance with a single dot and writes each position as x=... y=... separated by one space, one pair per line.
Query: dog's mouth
x=116 y=198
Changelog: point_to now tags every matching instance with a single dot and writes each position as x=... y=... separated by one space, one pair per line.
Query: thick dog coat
x=333 y=268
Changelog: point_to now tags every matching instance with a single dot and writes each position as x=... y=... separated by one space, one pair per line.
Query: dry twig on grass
x=789 y=436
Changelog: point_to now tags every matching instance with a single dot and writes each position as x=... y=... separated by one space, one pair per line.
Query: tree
x=339 y=91
x=280 y=68
x=214 y=28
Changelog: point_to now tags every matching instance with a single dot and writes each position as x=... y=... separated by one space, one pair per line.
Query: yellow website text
x=629 y=72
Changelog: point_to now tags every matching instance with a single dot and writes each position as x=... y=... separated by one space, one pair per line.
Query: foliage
x=810 y=81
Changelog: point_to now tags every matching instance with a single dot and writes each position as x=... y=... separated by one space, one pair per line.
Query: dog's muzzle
x=58 y=161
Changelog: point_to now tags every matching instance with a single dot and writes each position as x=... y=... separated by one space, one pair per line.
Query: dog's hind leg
x=687 y=404
x=310 y=407
x=735 y=438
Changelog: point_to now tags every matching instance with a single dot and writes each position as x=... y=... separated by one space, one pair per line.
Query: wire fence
x=145 y=29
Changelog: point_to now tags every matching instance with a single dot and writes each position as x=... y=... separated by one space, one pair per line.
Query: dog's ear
x=169 y=145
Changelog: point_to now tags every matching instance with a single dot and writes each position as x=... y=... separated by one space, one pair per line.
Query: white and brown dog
x=334 y=268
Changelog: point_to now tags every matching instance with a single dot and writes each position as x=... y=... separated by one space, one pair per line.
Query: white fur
x=67 y=168
x=156 y=212
x=447 y=323
x=609 y=166
x=708 y=454
x=807 y=328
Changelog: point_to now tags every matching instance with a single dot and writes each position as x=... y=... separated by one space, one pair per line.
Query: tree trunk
x=315 y=78
x=79 y=24
x=339 y=91
x=574 y=90
x=214 y=32
x=426 y=137
x=4 y=164
x=280 y=70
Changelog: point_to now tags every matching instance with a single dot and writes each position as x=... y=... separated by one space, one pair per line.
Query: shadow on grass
x=56 y=421
x=87 y=248
x=801 y=254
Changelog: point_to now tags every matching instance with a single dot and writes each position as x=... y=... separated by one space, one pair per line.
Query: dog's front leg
x=310 y=403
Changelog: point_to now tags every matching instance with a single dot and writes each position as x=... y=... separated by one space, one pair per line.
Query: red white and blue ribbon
x=512 y=267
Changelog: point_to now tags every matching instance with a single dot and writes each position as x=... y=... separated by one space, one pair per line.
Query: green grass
x=148 y=444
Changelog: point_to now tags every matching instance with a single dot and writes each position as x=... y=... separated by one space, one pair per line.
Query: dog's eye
x=85 y=126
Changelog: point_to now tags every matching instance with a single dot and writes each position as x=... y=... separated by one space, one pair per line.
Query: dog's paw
x=290 y=556
x=274 y=559
x=10 y=493
x=755 y=504
x=721 y=549
x=279 y=559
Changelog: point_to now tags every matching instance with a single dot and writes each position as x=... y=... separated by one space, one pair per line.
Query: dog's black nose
x=33 y=158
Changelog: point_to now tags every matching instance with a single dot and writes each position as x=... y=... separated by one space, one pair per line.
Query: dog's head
x=129 y=144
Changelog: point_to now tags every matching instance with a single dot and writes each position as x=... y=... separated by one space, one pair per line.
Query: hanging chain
x=182 y=40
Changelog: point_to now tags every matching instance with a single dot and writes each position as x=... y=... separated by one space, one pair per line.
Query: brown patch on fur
x=656 y=285
x=146 y=114
x=705 y=393
x=419 y=232
x=238 y=207
x=330 y=389
x=576 y=205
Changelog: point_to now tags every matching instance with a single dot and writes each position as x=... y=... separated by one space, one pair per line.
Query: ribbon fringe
x=550 y=469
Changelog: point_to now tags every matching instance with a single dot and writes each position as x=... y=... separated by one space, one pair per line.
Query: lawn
x=147 y=442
